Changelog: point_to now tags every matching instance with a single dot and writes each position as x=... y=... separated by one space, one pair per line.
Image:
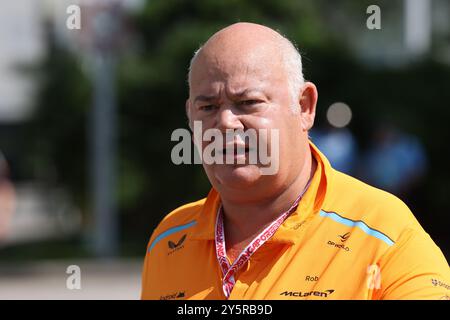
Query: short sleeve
x=414 y=268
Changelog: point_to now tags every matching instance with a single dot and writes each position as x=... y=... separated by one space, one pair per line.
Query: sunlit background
x=86 y=117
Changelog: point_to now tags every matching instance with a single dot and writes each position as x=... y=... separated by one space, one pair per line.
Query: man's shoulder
x=371 y=207
x=181 y=216
x=178 y=220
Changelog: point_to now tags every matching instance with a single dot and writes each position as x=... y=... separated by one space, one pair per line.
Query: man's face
x=246 y=89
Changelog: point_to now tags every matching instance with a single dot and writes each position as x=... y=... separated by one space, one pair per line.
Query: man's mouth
x=236 y=151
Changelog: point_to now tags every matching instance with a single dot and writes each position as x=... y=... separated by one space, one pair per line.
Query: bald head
x=242 y=44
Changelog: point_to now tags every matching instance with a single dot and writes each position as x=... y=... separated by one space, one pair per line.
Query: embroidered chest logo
x=344 y=237
x=341 y=245
x=176 y=246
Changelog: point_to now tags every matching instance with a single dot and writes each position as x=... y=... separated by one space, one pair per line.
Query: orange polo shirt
x=346 y=240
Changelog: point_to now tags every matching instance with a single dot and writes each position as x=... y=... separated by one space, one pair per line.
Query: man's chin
x=237 y=176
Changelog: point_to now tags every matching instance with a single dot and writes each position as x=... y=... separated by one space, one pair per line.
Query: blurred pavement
x=100 y=280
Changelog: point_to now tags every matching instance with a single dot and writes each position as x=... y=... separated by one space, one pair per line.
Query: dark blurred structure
x=381 y=74
x=395 y=162
x=339 y=146
x=7 y=199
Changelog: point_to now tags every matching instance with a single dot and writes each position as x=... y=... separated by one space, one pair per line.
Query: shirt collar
x=309 y=206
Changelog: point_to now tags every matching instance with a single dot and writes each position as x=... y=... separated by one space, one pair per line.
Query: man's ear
x=308 y=101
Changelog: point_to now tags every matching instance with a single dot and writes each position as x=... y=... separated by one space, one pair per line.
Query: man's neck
x=243 y=222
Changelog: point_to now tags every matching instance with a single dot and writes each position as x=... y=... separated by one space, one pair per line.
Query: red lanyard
x=228 y=270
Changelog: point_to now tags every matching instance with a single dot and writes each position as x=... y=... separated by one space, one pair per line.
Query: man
x=305 y=232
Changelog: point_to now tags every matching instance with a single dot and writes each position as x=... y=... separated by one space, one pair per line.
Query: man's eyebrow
x=236 y=94
x=246 y=91
x=204 y=98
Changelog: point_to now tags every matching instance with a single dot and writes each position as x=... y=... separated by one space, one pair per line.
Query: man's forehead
x=235 y=84
x=227 y=62
x=210 y=73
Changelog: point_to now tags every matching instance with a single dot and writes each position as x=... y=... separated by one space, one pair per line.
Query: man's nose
x=228 y=119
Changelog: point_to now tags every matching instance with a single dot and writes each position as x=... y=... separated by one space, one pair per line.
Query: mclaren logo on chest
x=323 y=294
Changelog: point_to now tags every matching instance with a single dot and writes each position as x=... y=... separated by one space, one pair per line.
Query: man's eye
x=209 y=107
x=248 y=102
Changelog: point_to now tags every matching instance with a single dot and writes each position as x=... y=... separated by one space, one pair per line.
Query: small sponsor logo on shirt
x=438 y=283
x=298 y=225
x=337 y=245
x=344 y=237
x=176 y=295
x=341 y=245
x=176 y=246
x=323 y=294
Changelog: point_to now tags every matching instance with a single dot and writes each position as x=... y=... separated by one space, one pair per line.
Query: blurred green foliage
x=152 y=90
